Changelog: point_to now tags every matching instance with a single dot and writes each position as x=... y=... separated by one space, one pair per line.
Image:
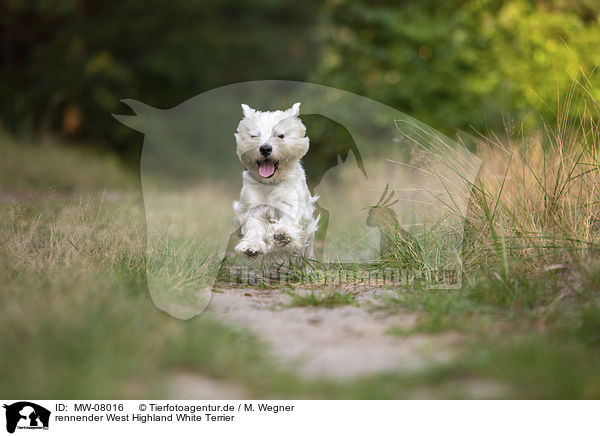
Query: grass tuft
x=327 y=299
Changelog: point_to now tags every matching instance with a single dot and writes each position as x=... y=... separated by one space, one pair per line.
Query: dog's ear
x=294 y=111
x=248 y=111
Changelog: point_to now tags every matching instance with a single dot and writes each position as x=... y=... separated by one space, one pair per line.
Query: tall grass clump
x=535 y=202
x=533 y=230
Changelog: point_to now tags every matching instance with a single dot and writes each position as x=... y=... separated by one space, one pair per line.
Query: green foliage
x=66 y=64
x=462 y=63
x=456 y=63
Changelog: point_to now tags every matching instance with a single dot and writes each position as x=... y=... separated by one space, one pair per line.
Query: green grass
x=535 y=335
x=529 y=307
x=77 y=321
x=322 y=299
x=51 y=167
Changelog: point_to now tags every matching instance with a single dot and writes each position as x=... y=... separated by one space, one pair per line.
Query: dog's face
x=269 y=144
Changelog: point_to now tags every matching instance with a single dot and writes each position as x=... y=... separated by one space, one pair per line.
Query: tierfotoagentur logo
x=25 y=415
x=280 y=181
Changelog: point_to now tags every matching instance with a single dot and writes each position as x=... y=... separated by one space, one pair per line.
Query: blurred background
x=460 y=64
x=75 y=317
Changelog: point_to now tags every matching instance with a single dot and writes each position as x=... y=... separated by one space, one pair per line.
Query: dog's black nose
x=265 y=149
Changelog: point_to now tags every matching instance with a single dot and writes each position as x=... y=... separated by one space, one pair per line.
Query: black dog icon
x=28 y=411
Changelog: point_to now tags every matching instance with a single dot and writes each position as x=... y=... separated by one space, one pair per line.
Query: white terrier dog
x=275 y=213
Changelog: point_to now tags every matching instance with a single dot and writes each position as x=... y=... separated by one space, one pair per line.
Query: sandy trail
x=341 y=342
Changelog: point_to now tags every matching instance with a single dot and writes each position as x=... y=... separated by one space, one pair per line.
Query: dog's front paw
x=252 y=253
x=282 y=239
x=250 y=249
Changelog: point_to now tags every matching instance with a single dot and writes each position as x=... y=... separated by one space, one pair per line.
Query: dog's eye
x=253 y=136
x=280 y=136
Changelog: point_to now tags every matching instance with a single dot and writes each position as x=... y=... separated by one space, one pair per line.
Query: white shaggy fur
x=276 y=211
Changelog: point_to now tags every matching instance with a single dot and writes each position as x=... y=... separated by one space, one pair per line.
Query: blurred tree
x=461 y=63
x=65 y=64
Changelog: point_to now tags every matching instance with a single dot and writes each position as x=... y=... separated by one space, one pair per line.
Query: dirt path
x=340 y=342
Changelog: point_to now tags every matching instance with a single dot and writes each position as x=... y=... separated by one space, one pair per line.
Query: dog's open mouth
x=267 y=167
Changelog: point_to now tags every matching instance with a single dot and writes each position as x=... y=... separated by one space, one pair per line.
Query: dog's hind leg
x=287 y=232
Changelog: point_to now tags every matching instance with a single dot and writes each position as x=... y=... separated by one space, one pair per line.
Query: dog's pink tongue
x=266 y=168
